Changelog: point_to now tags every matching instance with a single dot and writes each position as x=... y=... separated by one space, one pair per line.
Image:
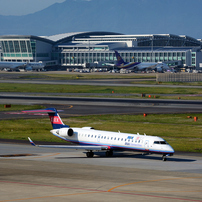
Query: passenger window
x=95 y=136
x=111 y=138
x=105 y=137
x=114 y=138
x=91 y=135
x=121 y=139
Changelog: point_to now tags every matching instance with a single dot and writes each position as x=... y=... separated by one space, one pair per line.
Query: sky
x=181 y=17
x=24 y=7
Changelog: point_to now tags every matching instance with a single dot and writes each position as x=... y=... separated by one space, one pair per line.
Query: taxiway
x=53 y=174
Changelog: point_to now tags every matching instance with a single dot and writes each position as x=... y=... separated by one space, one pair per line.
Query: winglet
x=32 y=143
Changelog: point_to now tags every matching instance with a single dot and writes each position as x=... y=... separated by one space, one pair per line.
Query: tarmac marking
x=111 y=190
x=46 y=156
x=162 y=191
x=46 y=185
x=162 y=197
x=122 y=185
x=94 y=191
x=13 y=157
x=41 y=197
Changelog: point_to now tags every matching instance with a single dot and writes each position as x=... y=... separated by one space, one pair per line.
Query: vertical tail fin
x=55 y=119
x=120 y=60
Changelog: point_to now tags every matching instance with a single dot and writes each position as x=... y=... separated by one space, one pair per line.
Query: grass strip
x=181 y=132
x=59 y=88
x=81 y=76
x=20 y=107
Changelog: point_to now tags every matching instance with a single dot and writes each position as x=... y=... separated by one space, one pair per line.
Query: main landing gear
x=109 y=153
x=90 y=154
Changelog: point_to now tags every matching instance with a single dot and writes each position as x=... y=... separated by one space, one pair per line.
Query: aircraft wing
x=71 y=146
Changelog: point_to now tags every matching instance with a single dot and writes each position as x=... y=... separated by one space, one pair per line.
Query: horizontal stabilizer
x=55 y=119
x=48 y=110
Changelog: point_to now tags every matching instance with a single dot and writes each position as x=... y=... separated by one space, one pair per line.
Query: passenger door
x=146 y=144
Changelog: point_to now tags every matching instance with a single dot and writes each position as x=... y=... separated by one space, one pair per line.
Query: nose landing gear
x=164 y=158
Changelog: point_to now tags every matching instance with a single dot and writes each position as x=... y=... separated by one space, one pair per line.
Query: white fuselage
x=12 y=65
x=115 y=140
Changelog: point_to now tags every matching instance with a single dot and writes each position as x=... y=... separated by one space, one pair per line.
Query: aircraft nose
x=172 y=150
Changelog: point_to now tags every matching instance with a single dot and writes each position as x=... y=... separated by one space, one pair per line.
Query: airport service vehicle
x=158 y=66
x=89 y=139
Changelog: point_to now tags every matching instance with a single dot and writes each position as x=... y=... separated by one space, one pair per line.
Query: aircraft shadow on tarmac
x=130 y=155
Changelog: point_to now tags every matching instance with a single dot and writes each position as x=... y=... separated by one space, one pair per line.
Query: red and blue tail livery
x=55 y=119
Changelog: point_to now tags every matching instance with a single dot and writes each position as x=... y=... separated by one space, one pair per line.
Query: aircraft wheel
x=109 y=153
x=89 y=154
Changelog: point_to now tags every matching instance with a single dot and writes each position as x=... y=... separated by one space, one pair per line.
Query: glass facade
x=18 y=48
x=91 y=48
x=79 y=58
x=193 y=59
x=21 y=50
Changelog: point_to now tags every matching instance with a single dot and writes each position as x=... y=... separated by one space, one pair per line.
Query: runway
x=44 y=174
x=89 y=106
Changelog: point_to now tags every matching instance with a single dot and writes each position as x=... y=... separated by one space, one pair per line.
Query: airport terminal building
x=84 y=49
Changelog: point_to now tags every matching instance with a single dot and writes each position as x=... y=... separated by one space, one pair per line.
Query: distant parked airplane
x=160 y=66
x=24 y=65
x=89 y=139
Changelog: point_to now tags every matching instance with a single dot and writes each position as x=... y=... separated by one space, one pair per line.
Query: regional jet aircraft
x=89 y=139
x=23 y=65
x=160 y=66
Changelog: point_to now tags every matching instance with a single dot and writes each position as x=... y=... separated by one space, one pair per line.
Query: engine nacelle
x=88 y=128
x=66 y=132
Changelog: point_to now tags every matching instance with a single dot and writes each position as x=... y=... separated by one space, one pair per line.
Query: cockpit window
x=160 y=142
